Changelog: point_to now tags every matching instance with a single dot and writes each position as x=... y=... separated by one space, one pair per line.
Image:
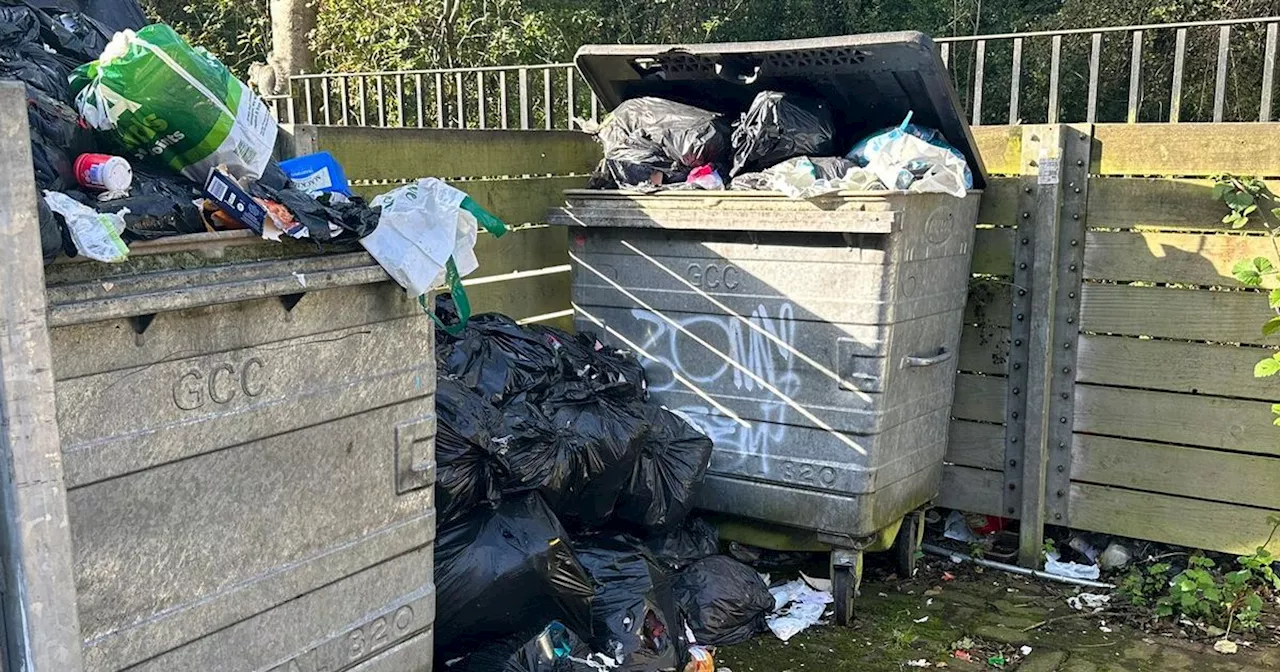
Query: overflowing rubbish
x=701 y=659
x=499 y=570
x=555 y=649
x=690 y=542
x=1093 y=602
x=650 y=142
x=914 y=158
x=725 y=601
x=469 y=452
x=779 y=126
x=317 y=173
x=1054 y=564
x=109 y=174
x=797 y=606
x=634 y=616
x=96 y=235
x=673 y=460
x=706 y=177
x=957 y=529
x=499 y=359
x=1115 y=556
x=212 y=118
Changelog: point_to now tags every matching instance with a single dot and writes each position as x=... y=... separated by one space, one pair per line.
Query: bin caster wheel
x=906 y=546
x=846 y=576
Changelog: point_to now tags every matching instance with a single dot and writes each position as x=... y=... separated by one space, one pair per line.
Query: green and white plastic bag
x=170 y=104
x=426 y=238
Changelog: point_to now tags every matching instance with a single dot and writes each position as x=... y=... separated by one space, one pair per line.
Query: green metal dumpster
x=216 y=457
x=813 y=340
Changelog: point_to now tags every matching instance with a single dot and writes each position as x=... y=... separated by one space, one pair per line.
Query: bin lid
x=871 y=81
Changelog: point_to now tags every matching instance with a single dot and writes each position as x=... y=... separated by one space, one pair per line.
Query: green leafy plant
x=1234 y=599
x=1050 y=548
x=1243 y=196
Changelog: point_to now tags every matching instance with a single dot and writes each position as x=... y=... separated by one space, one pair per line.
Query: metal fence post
x=41 y=620
x=1049 y=252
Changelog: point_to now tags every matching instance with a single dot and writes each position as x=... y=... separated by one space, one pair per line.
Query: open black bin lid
x=871 y=80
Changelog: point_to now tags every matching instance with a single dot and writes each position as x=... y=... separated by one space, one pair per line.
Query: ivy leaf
x=1247 y=273
x=1220 y=190
x=1266 y=368
x=1274 y=298
x=1271 y=326
x=1238 y=199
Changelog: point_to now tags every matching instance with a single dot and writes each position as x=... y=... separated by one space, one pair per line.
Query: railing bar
x=382 y=104
x=1268 y=72
x=1179 y=69
x=1055 y=63
x=439 y=100
x=1015 y=81
x=524 y=99
x=569 y=74
x=400 y=100
x=364 y=119
x=462 y=105
x=421 y=104
x=502 y=97
x=1095 y=56
x=324 y=91
x=480 y=101
x=546 y=97
x=1135 y=78
x=346 y=100
x=979 y=65
x=1220 y=80
x=1107 y=29
x=306 y=91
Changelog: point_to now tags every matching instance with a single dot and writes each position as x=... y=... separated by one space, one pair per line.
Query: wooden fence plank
x=1187 y=258
x=1228 y=528
x=976 y=444
x=1186 y=149
x=993 y=251
x=972 y=490
x=1194 y=315
x=1213 y=422
x=528 y=249
x=1172 y=366
x=984 y=350
x=1164 y=204
x=989 y=304
x=521 y=298
x=516 y=201
x=979 y=398
x=1000 y=202
x=1176 y=470
x=410 y=153
x=1000 y=148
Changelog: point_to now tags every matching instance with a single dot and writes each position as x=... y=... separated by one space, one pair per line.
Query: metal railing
x=1177 y=72
x=528 y=97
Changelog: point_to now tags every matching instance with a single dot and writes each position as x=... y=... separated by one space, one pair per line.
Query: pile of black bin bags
x=563 y=495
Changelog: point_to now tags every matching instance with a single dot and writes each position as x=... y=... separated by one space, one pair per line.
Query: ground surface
x=999 y=613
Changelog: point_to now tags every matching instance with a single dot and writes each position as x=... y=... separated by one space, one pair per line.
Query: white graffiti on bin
x=764 y=348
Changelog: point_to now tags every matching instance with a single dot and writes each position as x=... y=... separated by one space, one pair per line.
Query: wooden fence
x=1106 y=367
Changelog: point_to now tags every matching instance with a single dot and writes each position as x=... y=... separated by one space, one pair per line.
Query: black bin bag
x=648 y=137
x=724 y=601
x=611 y=437
x=469 y=451
x=499 y=359
x=634 y=617
x=692 y=541
x=555 y=649
x=540 y=457
x=500 y=571
x=781 y=126
x=608 y=371
x=673 y=461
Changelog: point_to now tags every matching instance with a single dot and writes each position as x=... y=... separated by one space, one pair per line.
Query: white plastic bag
x=913 y=158
x=422 y=224
x=96 y=234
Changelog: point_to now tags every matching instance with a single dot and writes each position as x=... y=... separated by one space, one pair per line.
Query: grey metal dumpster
x=814 y=341
x=216 y=456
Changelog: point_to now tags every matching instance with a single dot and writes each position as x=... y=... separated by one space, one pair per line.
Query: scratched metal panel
x=249 y=484
x=800 y=354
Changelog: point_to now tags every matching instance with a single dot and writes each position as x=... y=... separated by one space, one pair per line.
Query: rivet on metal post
x=1020 y=317
x=1022 y=292
x=1071 y=295
x=1012 y=510
x=1062 y=493
x=1013 y=463
x=1074 y=243
x=1022 y=266
x=1016 y=366
x=1075 y=216
x=1057 y=516
x=1026 y=190
x=1025 y=241
x=1079 y=162
x=1063 y=419
x=1071 y=320
x=1072 y=267
x=1016 y=390
x=1077 y=190
x=1062 y=445
x=1013 y=486
x=1062 y=468
x=1026 y=215
x=1066 y=396
x=1018 y=342
x=1013 y=440
x=1015 y=415
x=1066 y=369
x=1066 y=346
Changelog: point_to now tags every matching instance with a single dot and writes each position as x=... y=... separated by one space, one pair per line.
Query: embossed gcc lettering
x=715 y=276
x=220 y=385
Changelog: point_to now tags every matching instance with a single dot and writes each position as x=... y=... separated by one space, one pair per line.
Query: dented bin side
x=822 y=364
